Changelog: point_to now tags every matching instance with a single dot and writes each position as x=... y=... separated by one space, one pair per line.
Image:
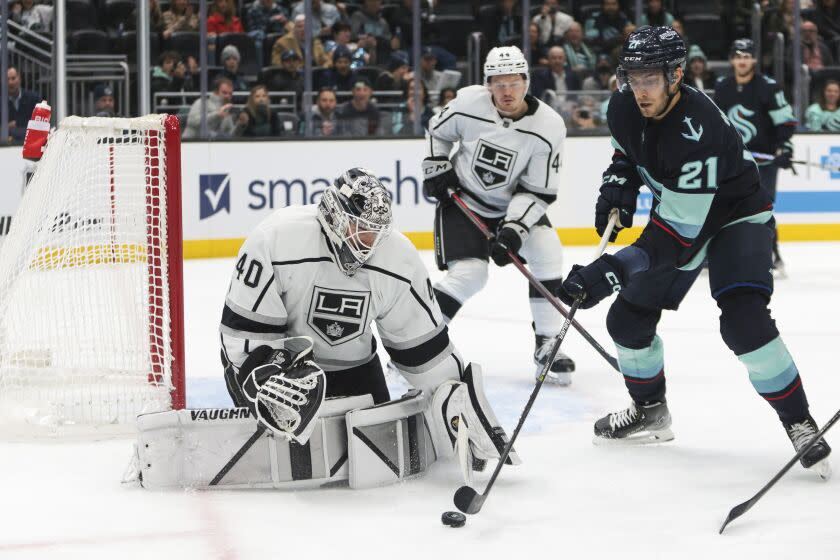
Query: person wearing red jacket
x=223 y=19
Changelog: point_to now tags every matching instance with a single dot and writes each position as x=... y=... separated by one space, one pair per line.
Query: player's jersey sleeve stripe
x=262 y=293
x=438 y=125
x=550 y=151
x=407 y=281
x=421 y=354
x=299 y=261
x=239 y=326
x=547 y=198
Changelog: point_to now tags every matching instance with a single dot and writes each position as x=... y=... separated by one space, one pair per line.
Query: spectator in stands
x=551 y=84
x=326 y=15
x=289 y=77
x=36 y=17
x=826 y=15
x=403 y=119
x=155 y=18
x=372 y=31
x=342 y=36
x=501 y=24
x=696 y=73
x=579 y=56
x=21 y=103
x=261 y=18
x=600 y=80
x=602 y=111
x=230 y=67
x=778 y=21
x=220 y=122
x=654 y=14
x=552 y=24
x=815 y=53
x=341 y=76
x=824 y=116
x=173 y=75
x=394 y=79
x=103 y=101
x=538 y=50
x=431 y=78
x=256 y=119
x=604 y=30
x=179 y=17
x=583 y=118
x=736 y=16
x=359 y=116
x=222 y=19
x=293 y=41
x=446 y=95
x=324 y=119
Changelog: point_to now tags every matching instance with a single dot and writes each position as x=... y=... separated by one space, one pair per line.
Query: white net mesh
x=84 y=298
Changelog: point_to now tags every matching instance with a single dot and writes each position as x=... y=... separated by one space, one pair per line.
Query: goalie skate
x=816 y=459
x=635 y=425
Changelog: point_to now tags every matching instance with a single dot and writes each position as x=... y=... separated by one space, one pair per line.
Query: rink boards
x=229 y=186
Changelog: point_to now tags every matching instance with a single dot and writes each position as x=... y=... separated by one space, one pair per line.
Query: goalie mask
x=356 y=216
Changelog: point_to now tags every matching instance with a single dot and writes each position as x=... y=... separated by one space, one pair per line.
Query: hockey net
x=91 y=313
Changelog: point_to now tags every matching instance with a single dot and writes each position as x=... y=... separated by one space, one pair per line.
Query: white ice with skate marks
x=569 y=498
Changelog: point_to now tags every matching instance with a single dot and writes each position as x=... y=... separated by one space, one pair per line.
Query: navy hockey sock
x=644 y=371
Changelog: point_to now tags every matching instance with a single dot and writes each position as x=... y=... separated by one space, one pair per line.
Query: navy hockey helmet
x=650 y=48
x=742 y=46
x=356 y=216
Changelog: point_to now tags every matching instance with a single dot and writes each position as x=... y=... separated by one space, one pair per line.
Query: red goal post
x=91 y=278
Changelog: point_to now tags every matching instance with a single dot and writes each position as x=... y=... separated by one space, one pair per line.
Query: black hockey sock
x=449 y=306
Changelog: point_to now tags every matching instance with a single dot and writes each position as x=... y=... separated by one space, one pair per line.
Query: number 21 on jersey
x=691 y=177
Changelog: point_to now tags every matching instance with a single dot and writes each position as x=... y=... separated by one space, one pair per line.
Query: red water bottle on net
x=37 y=131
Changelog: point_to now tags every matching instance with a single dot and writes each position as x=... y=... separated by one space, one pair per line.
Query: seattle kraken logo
x=739 y=116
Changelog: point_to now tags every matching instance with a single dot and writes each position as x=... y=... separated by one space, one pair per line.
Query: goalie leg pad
x=227 y=448
x=463 y=405
x=389 y=442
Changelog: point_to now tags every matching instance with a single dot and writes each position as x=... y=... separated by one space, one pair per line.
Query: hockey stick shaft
x=744 y=507
x=543 y=291
x=834 y=168
x=467 y=499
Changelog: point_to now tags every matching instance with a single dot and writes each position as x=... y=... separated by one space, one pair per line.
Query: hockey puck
x=453 y=519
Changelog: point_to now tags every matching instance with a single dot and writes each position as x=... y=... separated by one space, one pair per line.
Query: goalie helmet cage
x=91 y=289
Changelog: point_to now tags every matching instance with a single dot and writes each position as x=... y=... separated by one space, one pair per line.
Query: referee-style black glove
x=438 y=176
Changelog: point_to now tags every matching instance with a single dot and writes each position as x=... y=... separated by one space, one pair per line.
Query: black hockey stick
x=744 y=507
x=551 y=298
x=831 y=168
x=466 y=498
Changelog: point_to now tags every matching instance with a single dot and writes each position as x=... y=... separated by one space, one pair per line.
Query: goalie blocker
x=318 y=442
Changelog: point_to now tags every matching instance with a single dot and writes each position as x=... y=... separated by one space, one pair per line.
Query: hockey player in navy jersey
x=756 y=106
x=507 y=170
x=707 y=204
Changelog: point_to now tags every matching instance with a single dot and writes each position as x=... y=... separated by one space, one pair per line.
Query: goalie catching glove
x=462 y=411
x=286 y=388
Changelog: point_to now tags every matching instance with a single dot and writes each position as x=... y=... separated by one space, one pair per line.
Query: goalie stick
x=466 y=498
x=551 y=298
x=744 y=507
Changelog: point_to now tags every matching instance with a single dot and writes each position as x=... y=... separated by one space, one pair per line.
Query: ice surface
x=569 y=499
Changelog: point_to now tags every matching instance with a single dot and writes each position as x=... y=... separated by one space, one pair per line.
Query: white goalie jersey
x=286 y=283
x=507 y=167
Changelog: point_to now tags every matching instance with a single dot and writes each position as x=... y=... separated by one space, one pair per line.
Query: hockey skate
x=560 y=372
x=816 y=459
x=636 y=425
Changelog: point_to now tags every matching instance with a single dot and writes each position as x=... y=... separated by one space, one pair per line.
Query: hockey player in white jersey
x=296 y=326
x=507 y=169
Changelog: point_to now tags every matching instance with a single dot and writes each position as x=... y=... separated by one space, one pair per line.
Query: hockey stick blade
x=467 y=500
x=742 y=508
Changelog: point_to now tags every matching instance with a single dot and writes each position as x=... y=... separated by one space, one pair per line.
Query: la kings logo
x=338 y=315
x=492 y=165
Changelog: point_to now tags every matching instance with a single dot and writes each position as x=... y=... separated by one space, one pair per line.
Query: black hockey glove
x=438 y=176
x=509 y=238
x=784 y=157
x=593 y=282
x=614 y=195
